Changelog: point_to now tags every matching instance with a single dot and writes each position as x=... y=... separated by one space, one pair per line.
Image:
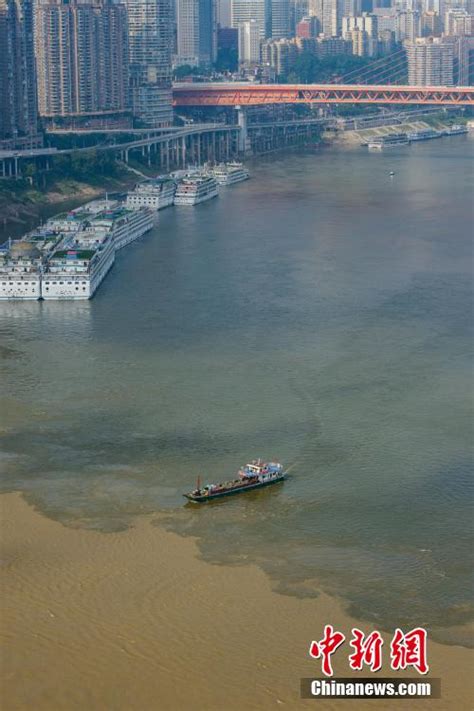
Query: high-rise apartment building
x=359 y=40
x=431 y=24
x=279 y=54
x=150 y=41
x=430 y=62
x=407 y=25
x=362 y=31
x=308 y=27
x=249 y=43
x=272 y=16
x=330 y=46
x=463 y=58
x=352 y=8
x=223 y=13
x=81 y=57
x=330 y=14
x=459 y=22
x=298 y=10
x=365 y=22
x=197 y=32
x=18 y=104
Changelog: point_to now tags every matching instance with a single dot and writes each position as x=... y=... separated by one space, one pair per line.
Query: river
x=320 y=313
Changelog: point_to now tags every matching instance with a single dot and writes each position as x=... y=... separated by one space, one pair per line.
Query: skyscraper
x=330 y=14
x=257 y=10
x=150 y=42
x=81 y=57
x=249 y=42
x=298 y=9
x=459 y=22
x=18 y=104
x=223 y=13
x=197 y=32
x=407 y=25
x=280 y=22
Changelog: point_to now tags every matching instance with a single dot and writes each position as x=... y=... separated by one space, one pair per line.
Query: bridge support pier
x=243 y=133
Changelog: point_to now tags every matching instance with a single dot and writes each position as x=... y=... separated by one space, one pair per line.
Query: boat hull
x=235 y=491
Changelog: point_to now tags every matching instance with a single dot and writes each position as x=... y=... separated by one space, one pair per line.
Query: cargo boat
x=254 y=475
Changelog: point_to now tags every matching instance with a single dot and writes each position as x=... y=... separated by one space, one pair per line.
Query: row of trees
x=308 y=68
x=311 y=69
x=88 y=166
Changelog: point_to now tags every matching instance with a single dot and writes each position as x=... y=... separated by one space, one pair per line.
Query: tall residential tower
x=150 y=42
x=18 y=105
x=197 y=32
x=430 y=62
x=81 y=58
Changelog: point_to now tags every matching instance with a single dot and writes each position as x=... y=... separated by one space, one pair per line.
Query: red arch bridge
x=250 y=94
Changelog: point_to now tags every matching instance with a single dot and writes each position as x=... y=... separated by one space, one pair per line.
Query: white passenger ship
x=70 y=256
x=155 y=194
x=455 y=130
x=229 y=173
x=125 y=225
x=20 y=271
x=393 y=140
x=195 y=188
x=423 y=134
x=22 y=262
x=77 y=269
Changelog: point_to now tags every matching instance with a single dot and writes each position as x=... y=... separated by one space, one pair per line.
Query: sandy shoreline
x=136 y=621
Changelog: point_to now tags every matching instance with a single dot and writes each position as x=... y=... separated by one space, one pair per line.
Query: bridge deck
x=250 y=94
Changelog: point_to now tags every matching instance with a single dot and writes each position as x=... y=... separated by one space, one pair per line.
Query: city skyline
x=91 y=58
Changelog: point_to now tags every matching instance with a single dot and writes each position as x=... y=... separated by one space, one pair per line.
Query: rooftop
x=72 y=255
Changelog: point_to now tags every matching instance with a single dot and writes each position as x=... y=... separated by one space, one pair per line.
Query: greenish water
x=320 y=313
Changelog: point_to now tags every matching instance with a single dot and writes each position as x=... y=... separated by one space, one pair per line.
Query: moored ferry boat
x=229 y=173
x=423 y=134
x=76 y=270
x=455 y=130
x=156 y=194
x=254 y=475
x=20 y=272
x=22 y=263
x=124 y=224
x=195 y=188
x=393 y=140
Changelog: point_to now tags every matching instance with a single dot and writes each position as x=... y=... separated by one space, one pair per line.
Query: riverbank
x=136 y=621
x=361 y=136
x=23 y=206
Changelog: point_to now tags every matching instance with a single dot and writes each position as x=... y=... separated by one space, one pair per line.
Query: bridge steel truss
x=260 y=94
